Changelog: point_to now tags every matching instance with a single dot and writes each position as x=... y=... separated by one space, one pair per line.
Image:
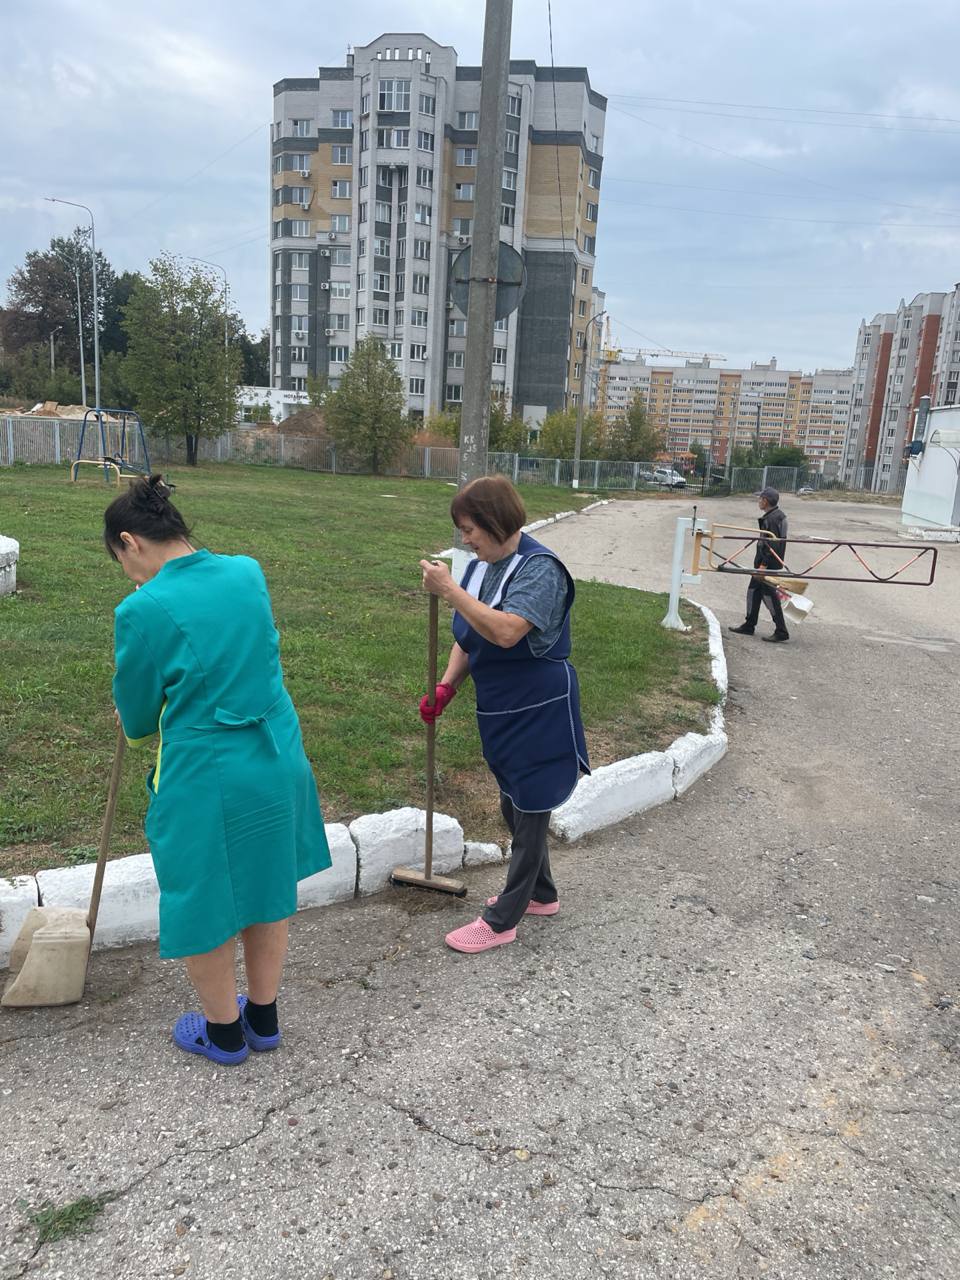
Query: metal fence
x=55 y=440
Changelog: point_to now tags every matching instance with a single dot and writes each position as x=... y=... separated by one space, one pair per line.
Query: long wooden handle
x=432 y=625
x=105 y=833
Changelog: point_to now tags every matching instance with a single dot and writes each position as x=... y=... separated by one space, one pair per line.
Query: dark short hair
x=493 y=504
x=146 y=510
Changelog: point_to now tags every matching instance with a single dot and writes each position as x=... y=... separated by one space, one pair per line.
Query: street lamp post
x=83 y=370
x=96 y=304
x=584 y=384
x=53 y=334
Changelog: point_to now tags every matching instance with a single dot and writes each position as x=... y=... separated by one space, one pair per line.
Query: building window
x=361 y=281
x=393 y=95
x=365 y=104
x=418 y=318
x=514 y=103
x=424 y=140
x=381 y=281
x=593 y=179
x=464 y=191
x=468 y=119
x=418 y=351
x=300 y=261
x=382 y=211
x=299 y=227
x=466 y=156
x=299 y=293
x=511 y=142
x=299 y=324
x=594 y=142
x=580 y=339
x=499 y=355
x=584 y=275
x=424 y=176
x=393 y=138
x=278 y=164
x=582 y=307
x=401 y=282
x=402 y=211
x=454 y=359
x=501 y=326
x=300 y=163
x=589 y=244
x=362 y=212
x=428 y=104
x=461 y=226
x=364 y=139
x=509 y=179
x=381 y=315
x=398 y=321
x=401 y=249
x=302 y=128
x=298 y=355
x=591 y=212
x=421 y=250
x=340 y=222
x=508 y=215
x=396 y=350
x=340 y=189
x=381 y=247
x=422 y=213
x=454 y=393
x=341 y=258
x=364 y=175
x=421 y=283
x=457 y=328
x=339 y=320
x=339 y=289
x=342 y=118
x=341 y=154
x=417 y=386
x=339 y=355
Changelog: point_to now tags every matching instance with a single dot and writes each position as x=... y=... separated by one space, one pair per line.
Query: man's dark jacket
x=772 y=552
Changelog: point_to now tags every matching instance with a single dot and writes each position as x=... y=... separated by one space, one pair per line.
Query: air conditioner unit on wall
x=304 y=173
x=324 y=285
x=324 y=253
x=463 y=239
x=299 y=333
x=330 y=333
x=331 y=235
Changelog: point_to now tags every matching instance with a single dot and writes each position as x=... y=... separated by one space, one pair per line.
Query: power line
x=212 y=253
x=761 y=106
x=770 y=217
x=757 y=164
x=556 y=129
x=774 y=195
x=826 y=124
x=179 y=185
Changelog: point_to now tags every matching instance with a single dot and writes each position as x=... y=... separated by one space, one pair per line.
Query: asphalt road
x=733 y=1054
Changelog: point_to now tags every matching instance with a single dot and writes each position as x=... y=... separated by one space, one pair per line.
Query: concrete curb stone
x=18 y=895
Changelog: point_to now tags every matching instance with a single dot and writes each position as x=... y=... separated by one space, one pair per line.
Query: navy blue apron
x=528 y=707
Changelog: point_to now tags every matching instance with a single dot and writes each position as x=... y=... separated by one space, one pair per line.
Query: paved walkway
x=733 y=1054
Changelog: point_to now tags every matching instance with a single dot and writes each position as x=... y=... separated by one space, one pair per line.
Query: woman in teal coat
x=233 y=820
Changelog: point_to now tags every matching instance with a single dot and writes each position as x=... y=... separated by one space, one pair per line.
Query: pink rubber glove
x=444 y=693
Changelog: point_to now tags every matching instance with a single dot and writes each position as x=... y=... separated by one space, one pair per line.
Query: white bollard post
x=678 y=579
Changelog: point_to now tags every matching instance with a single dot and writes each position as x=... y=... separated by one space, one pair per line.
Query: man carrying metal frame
x=768 y=559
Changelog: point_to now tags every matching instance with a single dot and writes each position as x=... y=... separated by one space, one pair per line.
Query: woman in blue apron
x=511 y=631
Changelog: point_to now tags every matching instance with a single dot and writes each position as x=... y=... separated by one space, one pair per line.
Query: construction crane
x=612 y=353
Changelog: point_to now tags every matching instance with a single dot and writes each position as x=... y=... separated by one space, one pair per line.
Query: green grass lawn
x=341 y=560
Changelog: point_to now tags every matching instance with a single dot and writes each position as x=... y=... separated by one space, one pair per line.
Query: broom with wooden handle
x=425 y=879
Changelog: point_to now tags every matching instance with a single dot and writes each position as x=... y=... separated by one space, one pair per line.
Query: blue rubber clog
x=190 y=1035
x=260 y=1044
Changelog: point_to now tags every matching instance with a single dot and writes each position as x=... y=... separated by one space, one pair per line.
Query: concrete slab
x=17 y=895
x=129 y=904
x=339 y=881
x=388 y=840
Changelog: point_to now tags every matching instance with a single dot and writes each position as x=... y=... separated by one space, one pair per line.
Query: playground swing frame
x=116 y=462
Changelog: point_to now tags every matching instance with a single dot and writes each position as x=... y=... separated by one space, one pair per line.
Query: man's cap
x=771 y=495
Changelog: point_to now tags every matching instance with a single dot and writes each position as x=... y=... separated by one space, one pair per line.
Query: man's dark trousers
x=760 y=590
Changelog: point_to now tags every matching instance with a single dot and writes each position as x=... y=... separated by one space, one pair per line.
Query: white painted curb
x=9 y=555
x=364 y=854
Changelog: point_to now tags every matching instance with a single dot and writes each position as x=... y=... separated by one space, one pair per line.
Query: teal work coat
x=233 y=820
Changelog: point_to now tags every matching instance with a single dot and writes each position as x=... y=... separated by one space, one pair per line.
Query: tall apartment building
x=946 y=361
x=373 y=183
x=897 y=354
x=698 y=403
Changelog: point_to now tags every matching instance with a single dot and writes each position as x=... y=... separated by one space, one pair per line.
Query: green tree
x=28 y=376
x=634 y=438
x=558 y=435
x=445 y=424
x=699 y=455
x=365 y=414
x=184 y=381
x=783 y=455
x=318 y=389
x=508 y=431
x=254 y=354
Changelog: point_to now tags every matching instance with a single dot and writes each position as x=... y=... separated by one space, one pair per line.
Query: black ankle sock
x=227 y=1036
x=262 y=1018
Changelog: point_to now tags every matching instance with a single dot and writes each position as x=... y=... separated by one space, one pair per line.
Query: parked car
x=667 y=478
x=806 y=489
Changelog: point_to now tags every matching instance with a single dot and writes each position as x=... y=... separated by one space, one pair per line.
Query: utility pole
x=584 y=384
x=485 y=248
x=83 y=371
x=756 y=434
x=52 y=336
x=96 y=303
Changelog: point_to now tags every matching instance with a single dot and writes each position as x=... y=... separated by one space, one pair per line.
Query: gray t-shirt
x=537 y=592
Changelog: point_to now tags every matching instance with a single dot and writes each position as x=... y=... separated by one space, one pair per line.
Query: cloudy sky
x=772 y=172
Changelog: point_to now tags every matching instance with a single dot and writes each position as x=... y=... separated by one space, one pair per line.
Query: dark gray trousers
x=529 y=873
x=764 y=591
